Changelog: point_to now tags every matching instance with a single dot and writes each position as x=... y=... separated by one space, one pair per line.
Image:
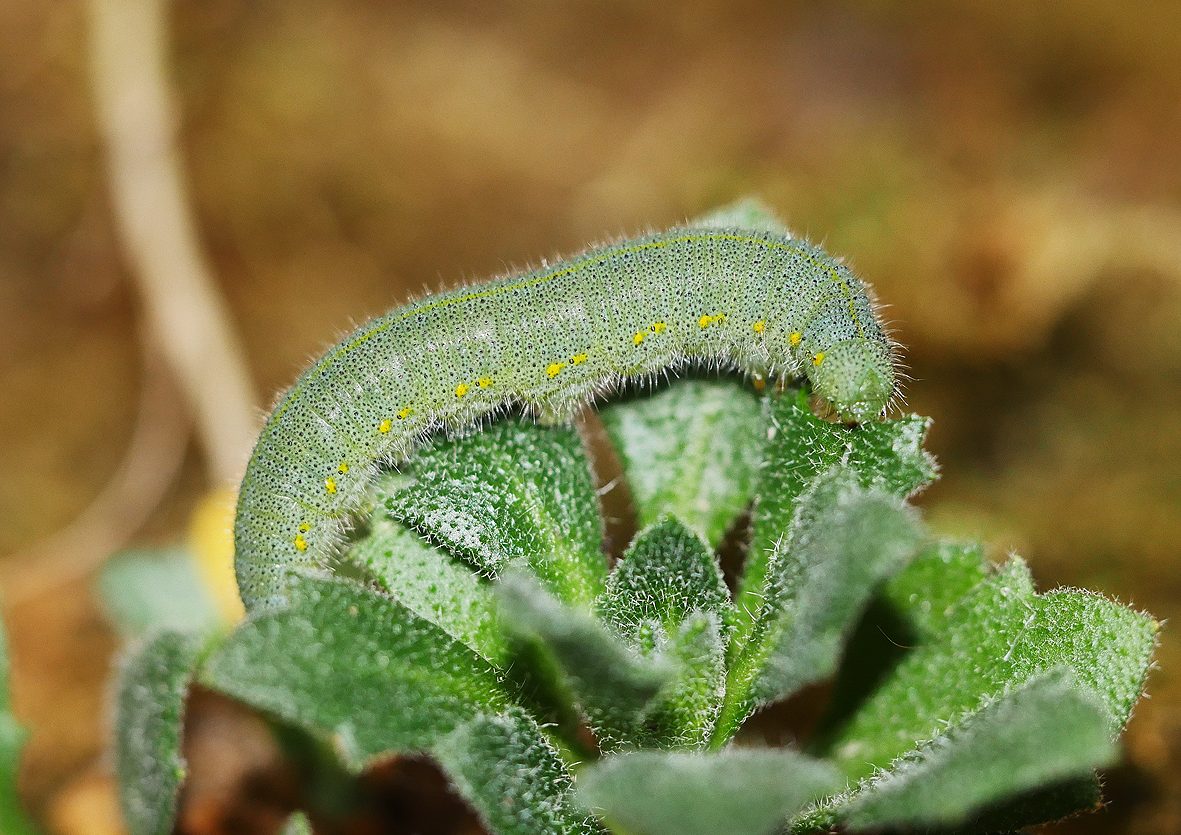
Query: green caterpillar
x=752 y=299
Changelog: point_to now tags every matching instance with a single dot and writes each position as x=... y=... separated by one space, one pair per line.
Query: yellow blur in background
x=210 y=540
x=1005 y=174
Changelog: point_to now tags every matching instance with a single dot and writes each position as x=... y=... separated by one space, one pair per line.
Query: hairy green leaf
x=911 y=606
x=998 y=636
x=152 y=686
x=691 y=450
x=888 y=455
x=12 y=739
x=668 y=595
x=147 y=591
x=513 y=776
x=1041 y=733
x=844 y=542
x=612 y=683
x=516 y=492
x=434 y=585
x=925 y=592
x=1049 y=803
x=685 y=712
x=348 y=663
x=665 y=574
x=736 y=791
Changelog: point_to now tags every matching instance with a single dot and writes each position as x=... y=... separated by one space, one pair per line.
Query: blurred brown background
x=1006 y=174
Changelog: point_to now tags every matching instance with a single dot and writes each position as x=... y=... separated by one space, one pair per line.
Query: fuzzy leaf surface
x=687 y=709
x=433 y=584
x=666 y=574
x=1050 y=803
x=911 y=607
x=1044 y=732
x=516 y=492
x=667 y=595
x=996 y=638
x=691 y=450
x=926 y=591
x=151 y=688
x=354 y=666
x=845 y=541
x=514 y=777
x=887 y=455
x=736 y=791
x=613 y=684
x=144 y=592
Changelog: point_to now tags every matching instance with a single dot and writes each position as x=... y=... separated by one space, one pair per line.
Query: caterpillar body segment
x=550 y=339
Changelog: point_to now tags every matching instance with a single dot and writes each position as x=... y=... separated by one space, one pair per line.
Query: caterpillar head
x=856 y=376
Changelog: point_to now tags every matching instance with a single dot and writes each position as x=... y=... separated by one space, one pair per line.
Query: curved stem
x=185 y=311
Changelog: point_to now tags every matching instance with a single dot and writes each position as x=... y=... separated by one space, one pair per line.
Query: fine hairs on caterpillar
x=730 y=290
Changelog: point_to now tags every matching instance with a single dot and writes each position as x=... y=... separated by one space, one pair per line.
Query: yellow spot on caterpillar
x=343 y=468
x=819 y=358
x=568 y=269
x=304 y=527
x=484 y=382
x=639 y=337
x=301 y=544
x=578 y=359
x=794 y=338
x=658 y=327
x=330 y=484
x=404 y=413
x=759 y=383
x=385 y=426
x=461 y=389
x=705 y=321
x=554 y=369
x=759 y=326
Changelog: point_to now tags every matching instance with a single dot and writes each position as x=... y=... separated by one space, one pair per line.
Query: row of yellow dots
x=552 y=370
x=555 y=368
x=795 y=337
x=301 y=544
x=387 y=425
x=463 y=388
x=330 y=482
x=655 y=327
x=330 y=485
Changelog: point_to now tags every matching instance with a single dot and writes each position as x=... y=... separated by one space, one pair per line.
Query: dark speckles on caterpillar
x=550 y=339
